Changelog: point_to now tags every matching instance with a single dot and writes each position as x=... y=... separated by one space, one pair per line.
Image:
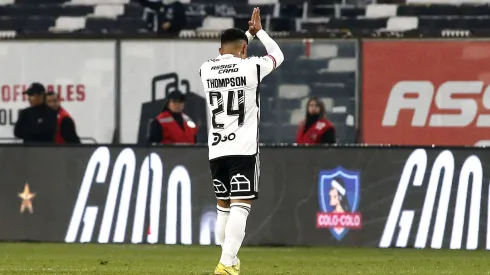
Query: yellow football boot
x=237 y=266
x=223 y=270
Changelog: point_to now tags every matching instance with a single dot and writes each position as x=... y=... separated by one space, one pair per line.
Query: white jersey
x=231 y=86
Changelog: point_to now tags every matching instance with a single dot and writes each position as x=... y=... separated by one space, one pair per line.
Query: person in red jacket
x=65 y=130
x=172 y=126
x=315 y=128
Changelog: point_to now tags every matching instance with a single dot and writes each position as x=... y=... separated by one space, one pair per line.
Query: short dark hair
x=50 y=93
x=36 y=88
x=233 y=35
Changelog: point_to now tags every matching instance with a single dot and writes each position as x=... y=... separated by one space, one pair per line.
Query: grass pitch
x=27 y=258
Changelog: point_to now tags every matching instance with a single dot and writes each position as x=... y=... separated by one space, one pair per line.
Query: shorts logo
x=339 y=193
x=219 y=187
x=240 y=183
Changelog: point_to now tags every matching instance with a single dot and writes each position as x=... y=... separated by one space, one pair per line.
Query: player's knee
x=241 y=206
x=224 y=203
x=235 y=201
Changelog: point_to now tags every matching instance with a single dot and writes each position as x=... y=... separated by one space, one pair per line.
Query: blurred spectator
x=36 y=123
x=65 y=130
x=165 y=16
x=172 y=125
x=316 y=128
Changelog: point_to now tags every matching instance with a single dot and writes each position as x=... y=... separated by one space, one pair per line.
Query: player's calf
x=223 y=211
x=235 y=230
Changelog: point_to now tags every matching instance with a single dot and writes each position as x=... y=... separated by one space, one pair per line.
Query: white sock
x=223 y=215
x=234 y=233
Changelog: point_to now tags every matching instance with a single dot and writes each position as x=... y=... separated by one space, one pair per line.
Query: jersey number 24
x=216 y=100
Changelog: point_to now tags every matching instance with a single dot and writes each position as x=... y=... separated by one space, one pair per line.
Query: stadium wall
x=405 y=91
x=123 y=82
x=425 y=197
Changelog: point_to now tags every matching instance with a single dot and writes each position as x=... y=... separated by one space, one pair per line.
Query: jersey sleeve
x=266 y=64
x=201 y=69
x=250 y=37
x=274 y=57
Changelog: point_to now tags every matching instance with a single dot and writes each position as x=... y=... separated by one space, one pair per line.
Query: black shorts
x=236 y=177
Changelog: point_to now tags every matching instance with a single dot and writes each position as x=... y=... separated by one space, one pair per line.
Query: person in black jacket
x=166 y=16
x=36 y=123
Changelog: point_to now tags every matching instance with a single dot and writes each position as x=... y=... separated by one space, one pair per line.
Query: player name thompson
x=225 y=82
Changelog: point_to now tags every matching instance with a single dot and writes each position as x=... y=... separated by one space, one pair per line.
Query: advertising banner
x=110 y=195
x=426 y=92
x=80 y=72
x=378 y=197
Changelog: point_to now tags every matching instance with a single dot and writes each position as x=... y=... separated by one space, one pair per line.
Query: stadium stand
x=123 y=16
x=393 y=17
x=28 y=16
x=326 y=70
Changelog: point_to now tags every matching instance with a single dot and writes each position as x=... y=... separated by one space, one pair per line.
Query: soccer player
x=231 y=84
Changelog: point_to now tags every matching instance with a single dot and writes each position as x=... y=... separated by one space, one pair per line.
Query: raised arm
x=273 y=50
x=274 y=57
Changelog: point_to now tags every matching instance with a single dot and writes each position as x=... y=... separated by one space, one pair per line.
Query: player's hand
x=255 y=24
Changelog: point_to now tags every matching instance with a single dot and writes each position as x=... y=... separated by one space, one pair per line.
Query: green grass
x=27 y=258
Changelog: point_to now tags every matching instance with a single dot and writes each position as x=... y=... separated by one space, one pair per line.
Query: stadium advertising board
x=438 y=94
x=386 y=197
x=80 y=72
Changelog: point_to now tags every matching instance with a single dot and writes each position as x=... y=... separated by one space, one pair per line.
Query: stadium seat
x=110 y=11
x=322 y=11
x=39 y=24
x=382 y=10
x=342 y=65
x=352 y=11
x=66 y=23
x=11 y=23
x=297 y=115
x=218 y=1
x=402 y=23
x=293 y=91
x=132 y=10
x=285 y=104
x=262 y=2
x=216 y=23
x=7 y=34
x=328 y=102
x=97 y=2
x=96 y=24
x=323 y=51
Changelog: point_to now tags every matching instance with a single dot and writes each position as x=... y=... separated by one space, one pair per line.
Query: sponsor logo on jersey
x=339 y=194
x=217 y=138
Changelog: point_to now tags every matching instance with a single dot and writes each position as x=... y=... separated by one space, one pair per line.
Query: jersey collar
x=224 y=56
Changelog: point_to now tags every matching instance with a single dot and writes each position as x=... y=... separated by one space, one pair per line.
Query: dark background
x=285 y=213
